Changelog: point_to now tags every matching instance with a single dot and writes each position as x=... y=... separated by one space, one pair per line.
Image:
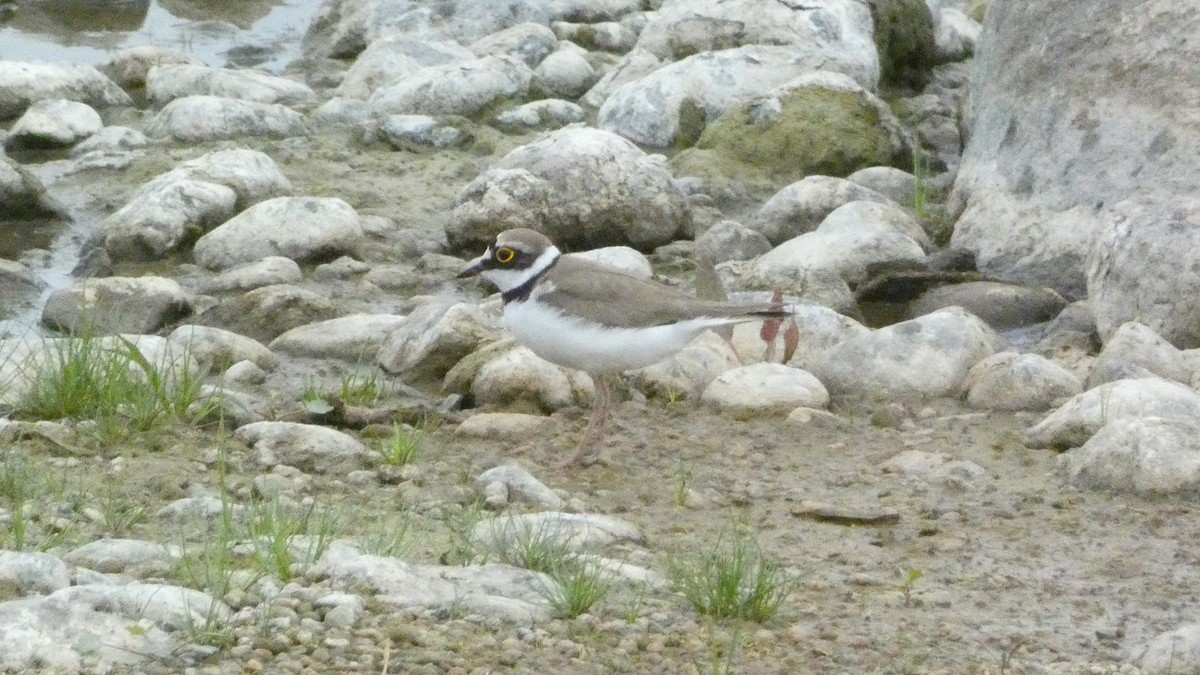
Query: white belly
x=592 y=348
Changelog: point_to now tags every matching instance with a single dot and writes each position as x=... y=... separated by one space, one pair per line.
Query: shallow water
x=261 y=33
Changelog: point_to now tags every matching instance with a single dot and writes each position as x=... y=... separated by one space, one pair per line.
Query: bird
x=587 y=316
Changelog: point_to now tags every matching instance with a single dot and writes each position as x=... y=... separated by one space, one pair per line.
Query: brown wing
x=619 y=300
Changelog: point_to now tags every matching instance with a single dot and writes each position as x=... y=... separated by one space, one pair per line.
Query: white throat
x=506 y=280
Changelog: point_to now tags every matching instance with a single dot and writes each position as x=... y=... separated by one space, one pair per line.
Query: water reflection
x=64 y=18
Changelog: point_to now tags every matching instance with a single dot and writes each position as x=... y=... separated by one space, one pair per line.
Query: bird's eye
x=505 y=255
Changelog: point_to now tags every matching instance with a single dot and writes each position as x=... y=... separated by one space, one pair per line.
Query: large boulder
x=21 y=84
x=304 y=229
x=1061 y=134
x=171 y=81
x=583 y=187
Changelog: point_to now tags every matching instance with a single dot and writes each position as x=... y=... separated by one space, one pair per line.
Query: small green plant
x=119 y=514
x=360 y=389
x=723 y=657
x=682 y=483
x=403 y=447
x=908 y=582
x=282 y=536
x=387 y=537
x=17 y=485
x=734 y=580
x=578 y=586
x=541 y=548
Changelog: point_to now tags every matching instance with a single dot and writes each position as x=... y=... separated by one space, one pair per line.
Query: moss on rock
x=905 y=39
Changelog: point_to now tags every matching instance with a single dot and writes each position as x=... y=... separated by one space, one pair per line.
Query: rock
x=110 y=141
x=54 y=123
x=165 y=83
x=1012 y=381
x=547 y=114
x=253 y=175
x=245 y=372
x=765 y=388
x=936 y=467
x=22 y=195
x=819 y=285
x=340 y=112
x=417 y=132
x=851 y=250
x=1151 y=456
x=632 y=67
x=505 y=426
x=465 y=89
x=163 y=214
x=222 y=348
x=896 y=184
x=687 y=372
x=392 y=58
x=855 y=215
x=520 y=486
x=129 y=67
x=194 y=119
x=530 y=42
x=564 y=74
x=803 y=205
x=1131 y=271
x=108 y=305
x=501 y=591
x=271 y=270
x=904 y=35
x=1003 y=306
x=838 y=30
x=356 y=337
x=605 y=36
x=172 y=608
x=521 y=376
x=673 y=104
x=22 y=84
x=23 y=574
x=1172 y=651
x=955 y=35
x=621 y=258
x=922 y=358
x=574 y=531
x=1048 y=163
x=433 y=338
x=308 y=447
x=304 y=229
x=1073 y=423
x=839 y=125
x=134 y=557
x=583 y=187
x=1135 y=350
x=730 y=240
x=234 y=408
x=267 y=312
x=198 y=507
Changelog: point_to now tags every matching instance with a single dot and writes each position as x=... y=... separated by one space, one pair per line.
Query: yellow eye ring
x=505 y=255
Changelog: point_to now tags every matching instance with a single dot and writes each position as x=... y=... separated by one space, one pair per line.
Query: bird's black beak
x=473 y=269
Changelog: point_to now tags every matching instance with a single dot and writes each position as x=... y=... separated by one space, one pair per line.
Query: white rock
x=23 y=83
x=646 y=110
x=897 y=185
x=1152 y=456
x=581 y=186
x=1175 y=651
x=864 y=215
x=197 y=507
x=163 y=214
x=530 y=42
x=124 y=556
x=1134 y=350
x=608 y=36
x=565 y=74
x=23 y=196
x=851 y=253
x=342 y=112
x=245 y=372
x=1012 y=381
x=434 y=337
x=455 y=89
x=1084 y=414
x=520 y=375
x=169 y=607
x=210 y=118
x=110 y=140
x=32 y=573
x=390 y=59
x=803 y=205
x=54 y=122
x=546 y=114
x=106 y=305
x=633 y=66
x=765 y=388
x=935 y=466
x=222 y=347
x=621 y=258
x=269 y=271
x=300 y=228
x=308 y=447
x=506 y=426
x=687 y=372
x=351 y=338
x=574 y=531
x=955 y=34
x=253 y=175
x=925 y=357
x=521 y=486
x=129 y=67
x=408 y=132
x=168 y=82
x=730 y=240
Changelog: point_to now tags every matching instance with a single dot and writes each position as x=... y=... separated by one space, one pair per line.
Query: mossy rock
x=905 y=39
x=814 y=130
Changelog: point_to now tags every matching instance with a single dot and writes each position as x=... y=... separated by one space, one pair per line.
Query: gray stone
x=392 y=58
x=730 y=240
x=1152 y=456
x=530 y=42
x=1073 y=423
x=434 y=337
x=803 y=205
x=1134 y=350
x=194 y=119
x=269 y=271
x=172 y=608
x=564 y=74
x=253 y=175
x=24 y=574
x=936 y=467
x=465 y=88
x=765 y=388
x=117 y=305
x=1003 y=306
x=134 y=557
x=54 y=123
x=897 y=185
x=129 y=67
x=163 y=214
x=110 y=140
x=300 y=228
x=350 y=338
x=518 y=376
x=269 y=311
x=520 y=486
x=22 y=195
x=1012 y=381
x=221 y=347
x=573 y=531
x=850 y=252
x=344 y=113
x=24 y=83
x=583 y=187
x=633 y=66
x=1174 y=651
x=308 y=447
x=412 y=132
x=507 y=426
x=546 y=114
x=925 y=357
x=687 y=372
x=167 y=82
x=607 y=36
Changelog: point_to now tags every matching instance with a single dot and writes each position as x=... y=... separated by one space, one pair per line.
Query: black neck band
x=521 y=293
